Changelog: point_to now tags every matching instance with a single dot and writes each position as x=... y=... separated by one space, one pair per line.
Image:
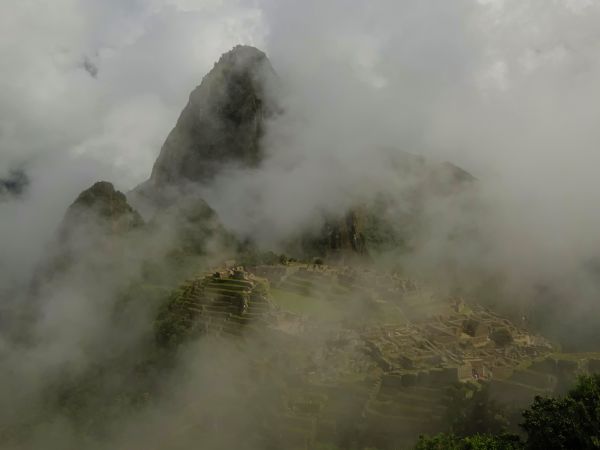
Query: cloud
x=69 y=129
x=503 y=88
x=500 y=88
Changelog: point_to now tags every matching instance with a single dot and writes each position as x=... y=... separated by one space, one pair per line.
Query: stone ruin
x=369 y=383
x=224 y=302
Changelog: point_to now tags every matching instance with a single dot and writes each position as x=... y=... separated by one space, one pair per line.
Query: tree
x=470 y=411
x=571 y=422
x=475 y=442
x=565 y=423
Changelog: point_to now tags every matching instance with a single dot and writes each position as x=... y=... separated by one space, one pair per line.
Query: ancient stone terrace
x=459 y=343
x=227 y=302
x=357 y=383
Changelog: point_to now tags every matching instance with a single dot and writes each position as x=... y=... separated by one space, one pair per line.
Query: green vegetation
x=570 y=422
x=563 y=423
x=248 y=255
x=501 y=337
x=304 y=304
x=471 y=411
x=381 y=231
x=175 y=319
x=475 y=442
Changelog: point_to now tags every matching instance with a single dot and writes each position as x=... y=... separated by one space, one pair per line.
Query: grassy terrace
x=402 y=423
x=226 y=288
x=405 y=409
x=233 y=281
x=224 y=293
x=311 y=284
x=533 y=378
x=514 y=392
x=417 y=394
x=329 y=301
x=305 y=304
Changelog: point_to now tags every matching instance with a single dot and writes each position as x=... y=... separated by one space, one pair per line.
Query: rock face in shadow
x=390 y=220
x=99 y=215
x=95 y=233
x=105 y=207
x=223 y=121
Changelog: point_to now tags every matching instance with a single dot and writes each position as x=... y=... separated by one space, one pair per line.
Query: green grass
x=575 y=356
x=315 y=307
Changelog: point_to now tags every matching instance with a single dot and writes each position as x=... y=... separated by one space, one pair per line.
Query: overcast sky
x=508 y=89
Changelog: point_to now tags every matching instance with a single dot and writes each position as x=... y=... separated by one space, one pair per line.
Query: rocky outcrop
x=390 y=220
x=96 y=228
x=339 y=236
x=103 y=206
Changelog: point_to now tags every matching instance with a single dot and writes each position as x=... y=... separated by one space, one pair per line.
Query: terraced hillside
x=360 y=358
x=229 y=302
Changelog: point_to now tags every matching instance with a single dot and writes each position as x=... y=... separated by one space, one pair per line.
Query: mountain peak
x=223 y=121
x=242 y=56
x=99 y=205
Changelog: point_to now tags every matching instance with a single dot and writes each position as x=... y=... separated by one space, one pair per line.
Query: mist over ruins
x=365 y=227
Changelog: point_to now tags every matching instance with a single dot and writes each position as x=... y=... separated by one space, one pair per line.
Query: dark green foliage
x=195 y=227
x=382 y=230
x=565 y=423
x=472 y=411
x=501 y=337
x=571 y=422
x=250 y=256
x=338 y=235
x=100 y=395
x=475 y=442
x=174 y=319
x=261 y=289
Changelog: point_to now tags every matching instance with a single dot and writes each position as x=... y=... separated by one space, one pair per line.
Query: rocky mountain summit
x=103 y=204
x=223 y=121
x=222 y=127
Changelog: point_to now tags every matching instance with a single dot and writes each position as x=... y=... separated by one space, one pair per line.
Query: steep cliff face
x=223 y=121
x=339 y=237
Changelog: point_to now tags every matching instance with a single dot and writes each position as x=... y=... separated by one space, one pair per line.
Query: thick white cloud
x=504 y=88
x=69 y=128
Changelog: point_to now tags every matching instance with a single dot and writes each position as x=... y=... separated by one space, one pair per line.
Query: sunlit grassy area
x=314 y=306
